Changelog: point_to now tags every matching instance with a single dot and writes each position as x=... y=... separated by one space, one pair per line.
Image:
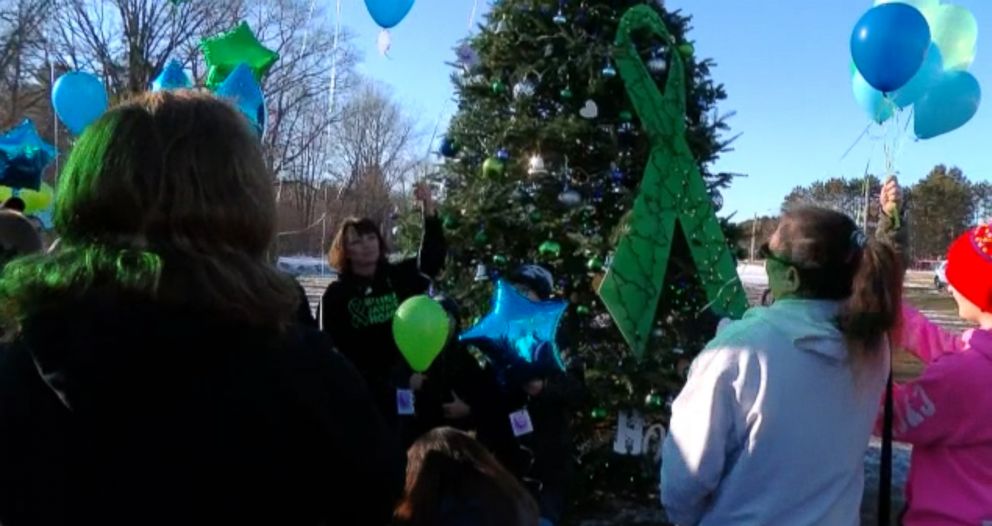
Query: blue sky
x=785 y=65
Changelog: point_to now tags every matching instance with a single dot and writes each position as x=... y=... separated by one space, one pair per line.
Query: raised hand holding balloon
x=79 y=98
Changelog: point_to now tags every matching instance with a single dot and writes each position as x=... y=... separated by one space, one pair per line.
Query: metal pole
x=754 y=234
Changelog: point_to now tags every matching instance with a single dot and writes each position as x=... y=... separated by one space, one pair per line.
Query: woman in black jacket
x=157 y=374
x=357 y=309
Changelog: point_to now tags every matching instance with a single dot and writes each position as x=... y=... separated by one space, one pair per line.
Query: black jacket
x=454 y=372
x=544 y=459
x=358 y=312
x=118 y=411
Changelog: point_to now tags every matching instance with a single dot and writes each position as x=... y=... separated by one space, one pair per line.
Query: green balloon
x=226 y=51
x=955 y=31
x=421 y=328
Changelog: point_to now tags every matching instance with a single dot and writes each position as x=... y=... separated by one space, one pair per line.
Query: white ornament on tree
x=590 y=110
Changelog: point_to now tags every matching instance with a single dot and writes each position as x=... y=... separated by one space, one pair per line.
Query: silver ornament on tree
x=536 y=166
x=657 y=63
x=570 y=197
x=481 y=272
x=608 y=70
x=560 y=17
x=524 y=89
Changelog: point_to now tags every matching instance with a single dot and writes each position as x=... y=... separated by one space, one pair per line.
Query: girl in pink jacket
x=946 y=414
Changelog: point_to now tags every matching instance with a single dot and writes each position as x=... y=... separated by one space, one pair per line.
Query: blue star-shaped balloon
x=172 y=77
x=527 y=327
x=24 y=155
x=241 y=88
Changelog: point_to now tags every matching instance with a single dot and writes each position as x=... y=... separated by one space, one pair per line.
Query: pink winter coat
x=946 y=415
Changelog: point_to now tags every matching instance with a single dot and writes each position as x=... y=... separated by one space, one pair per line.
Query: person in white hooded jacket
x=774 y=420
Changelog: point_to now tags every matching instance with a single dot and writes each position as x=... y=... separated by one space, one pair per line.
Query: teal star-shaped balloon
x=226 y=51
x=24 y=155
x=172 y=77
x=241 y=89
x=526 y=326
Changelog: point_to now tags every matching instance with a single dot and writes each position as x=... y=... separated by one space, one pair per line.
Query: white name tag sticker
x=405 y=402
x=521 y=423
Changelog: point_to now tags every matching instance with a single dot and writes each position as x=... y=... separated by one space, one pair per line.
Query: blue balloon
x=889 y=45
x=242 y=90
x=522 y=327
x=949 y=104
x=24 y=155
x=873 y=102
x=388 y=13
x=79 y=99
x=172 y=77
x=925 y=78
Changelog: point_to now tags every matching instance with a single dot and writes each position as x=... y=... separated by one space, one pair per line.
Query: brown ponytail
x=836 y=261
x=873 y=308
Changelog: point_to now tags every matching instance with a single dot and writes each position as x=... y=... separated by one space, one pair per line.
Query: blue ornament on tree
x=503 y=155
x=449 y=148
x=518 y=330
x=172 y=77
x=24 y=155
x=241 y=88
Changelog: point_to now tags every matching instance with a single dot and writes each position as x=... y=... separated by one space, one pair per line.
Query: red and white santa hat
x=969 y=266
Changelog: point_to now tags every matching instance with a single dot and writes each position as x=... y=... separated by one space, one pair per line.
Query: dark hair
x=18 y=237
x=166 y=196
x=15 y=203
x=448 y=465
x=536 y=278
x=337 y=256
x=835 y=261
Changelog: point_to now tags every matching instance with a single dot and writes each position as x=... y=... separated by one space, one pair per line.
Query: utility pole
x=754 y=234
x=864 y=224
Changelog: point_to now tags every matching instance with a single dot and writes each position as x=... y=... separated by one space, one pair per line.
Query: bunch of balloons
x=916 y=53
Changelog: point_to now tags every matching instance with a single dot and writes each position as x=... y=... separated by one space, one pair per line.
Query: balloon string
x=334 y=65
x=306 y=34
x=471 y=16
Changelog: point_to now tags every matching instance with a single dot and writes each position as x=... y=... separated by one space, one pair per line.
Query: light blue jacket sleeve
x=701 y=432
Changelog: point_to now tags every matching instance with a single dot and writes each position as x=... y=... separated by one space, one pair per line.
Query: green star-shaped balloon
x=672 y=195
x=226 y=51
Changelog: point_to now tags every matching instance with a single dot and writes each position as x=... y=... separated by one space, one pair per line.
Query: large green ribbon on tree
x=672 y=193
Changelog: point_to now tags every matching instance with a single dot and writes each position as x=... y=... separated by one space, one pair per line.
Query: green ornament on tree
x=535 y=216
x=582 y=309
x=566 y=94
x=498 y=87
x=493 y=168
x=626 y=116
x=686 y=50
x=595 y=264
x=499 y=259
x=550 y=248
x=654 y=400
x=598 y=413
x=481 y=238
x=450 y=221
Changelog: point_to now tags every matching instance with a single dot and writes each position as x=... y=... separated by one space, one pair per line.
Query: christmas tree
x=545 y=157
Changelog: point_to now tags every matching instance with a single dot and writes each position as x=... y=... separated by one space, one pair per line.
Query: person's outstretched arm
x=433 y=246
